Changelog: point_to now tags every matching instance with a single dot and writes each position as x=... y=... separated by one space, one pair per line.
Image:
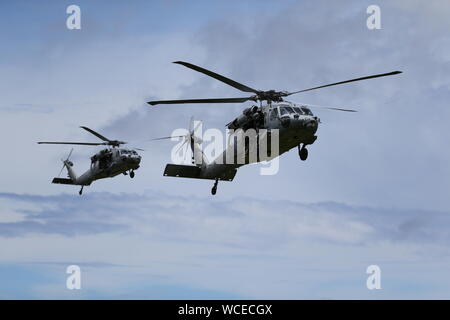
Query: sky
x=374 y=190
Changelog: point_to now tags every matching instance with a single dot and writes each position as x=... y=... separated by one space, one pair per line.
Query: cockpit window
x=298 y=110
x=285 y=110
x=123 y=151
x=307 y=111
x=290 y=109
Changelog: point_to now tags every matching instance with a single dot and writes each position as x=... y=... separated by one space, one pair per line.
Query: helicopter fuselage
x=296 y=126
x=107 y=163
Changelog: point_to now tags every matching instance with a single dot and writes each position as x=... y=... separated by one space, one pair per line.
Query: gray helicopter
x=106 y=163
x=296 y=125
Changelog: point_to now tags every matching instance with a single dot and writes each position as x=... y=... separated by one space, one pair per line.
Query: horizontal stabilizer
x=62 y=181
x=175 y=170
x=194 y=172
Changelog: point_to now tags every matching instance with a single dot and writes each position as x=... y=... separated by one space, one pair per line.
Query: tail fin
x=68 y=164
x=198 y=157
x=192 y=139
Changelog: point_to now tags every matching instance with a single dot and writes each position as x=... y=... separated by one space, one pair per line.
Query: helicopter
x=296 y=123
x=106 y=163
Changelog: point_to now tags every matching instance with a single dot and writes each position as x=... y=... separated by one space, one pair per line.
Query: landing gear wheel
x=303 y=153
x=131 y=174
x=81 y=191
x=214 y=188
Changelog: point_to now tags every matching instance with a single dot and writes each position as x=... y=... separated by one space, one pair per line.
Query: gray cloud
x=61 y=215
x=246 y=247
x=237 y=223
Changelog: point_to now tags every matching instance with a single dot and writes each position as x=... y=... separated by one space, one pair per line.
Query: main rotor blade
x=98 y=135
x=325 y=107
x=346 y=81
x=163 y=138
x=77 y=143
x=61 y=170
x=217 y=76
x=216 y=100
x=70 y=153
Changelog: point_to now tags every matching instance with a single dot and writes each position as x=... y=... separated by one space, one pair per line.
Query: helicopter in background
x=296 y=123
x=106 y=163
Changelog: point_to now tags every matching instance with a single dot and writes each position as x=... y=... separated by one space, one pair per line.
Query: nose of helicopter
x=309 y=123
x=133 y=159
x=136 y=159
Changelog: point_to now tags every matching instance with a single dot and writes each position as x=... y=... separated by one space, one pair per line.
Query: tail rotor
x=67 y=161
x=189 y=139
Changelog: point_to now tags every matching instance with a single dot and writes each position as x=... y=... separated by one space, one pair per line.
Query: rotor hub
x=271 y=95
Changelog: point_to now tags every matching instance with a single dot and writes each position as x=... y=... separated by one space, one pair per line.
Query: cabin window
x=273 y=114
x=284 y=111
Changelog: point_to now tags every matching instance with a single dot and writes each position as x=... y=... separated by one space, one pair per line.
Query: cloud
x=160 y=240
x=245 y=223
x=186 y=218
